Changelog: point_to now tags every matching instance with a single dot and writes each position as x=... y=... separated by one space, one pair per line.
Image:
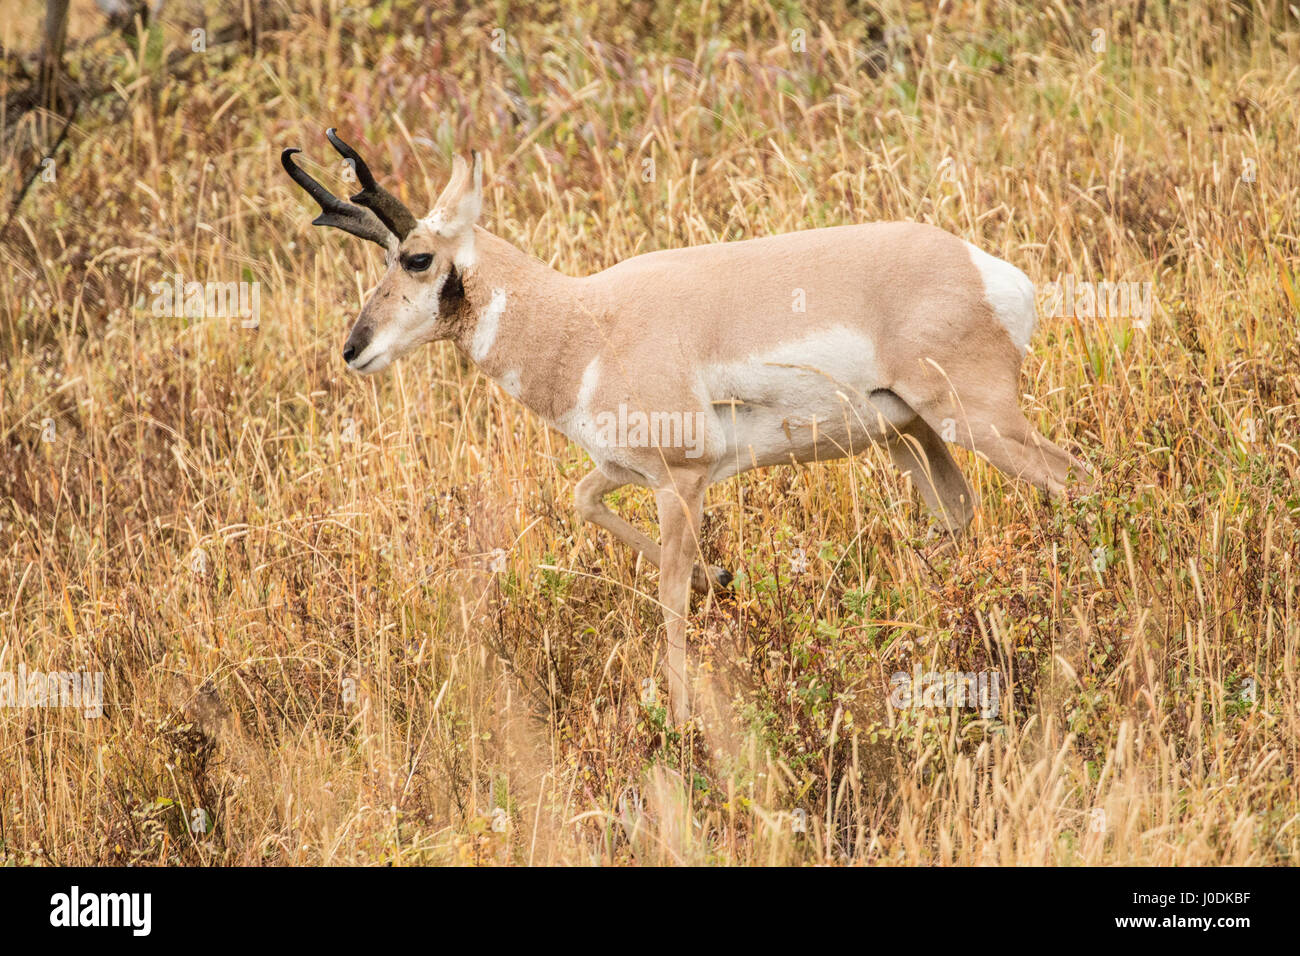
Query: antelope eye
x=417 y=263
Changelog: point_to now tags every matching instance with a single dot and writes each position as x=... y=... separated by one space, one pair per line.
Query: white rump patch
x=1009 y=293
x=489 y=324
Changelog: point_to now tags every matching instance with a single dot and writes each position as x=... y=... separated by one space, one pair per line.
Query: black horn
x=335 y=212
x=373 y=196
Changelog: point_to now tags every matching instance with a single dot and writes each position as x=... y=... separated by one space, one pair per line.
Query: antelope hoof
x=720 y=578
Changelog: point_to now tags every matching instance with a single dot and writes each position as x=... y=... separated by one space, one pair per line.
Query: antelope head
x=420 y=298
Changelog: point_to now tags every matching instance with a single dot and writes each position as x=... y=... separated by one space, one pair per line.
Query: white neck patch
x=489 y=324
x=466 y=255
x=512 y=384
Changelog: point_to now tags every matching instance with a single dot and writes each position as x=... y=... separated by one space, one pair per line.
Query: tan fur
x=713 y=332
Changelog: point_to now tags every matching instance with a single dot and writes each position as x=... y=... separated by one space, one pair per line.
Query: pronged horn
x=374 y=196
x=334 y=211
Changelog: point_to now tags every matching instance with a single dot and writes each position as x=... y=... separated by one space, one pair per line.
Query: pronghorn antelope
x=680 y=368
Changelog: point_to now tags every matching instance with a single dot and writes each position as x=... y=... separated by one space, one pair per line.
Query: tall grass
x=357 y=620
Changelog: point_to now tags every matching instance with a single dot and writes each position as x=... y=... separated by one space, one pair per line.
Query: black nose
x=349 y=352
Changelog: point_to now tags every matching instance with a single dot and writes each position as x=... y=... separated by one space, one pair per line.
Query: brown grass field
x=346 y=620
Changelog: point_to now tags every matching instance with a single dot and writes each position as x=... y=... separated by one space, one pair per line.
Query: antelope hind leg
x=921 y=454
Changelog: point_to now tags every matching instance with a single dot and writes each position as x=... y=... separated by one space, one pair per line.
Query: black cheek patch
x=452 y=293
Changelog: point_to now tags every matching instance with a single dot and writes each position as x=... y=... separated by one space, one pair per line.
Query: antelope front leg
x=590 y=499
x=681 y=506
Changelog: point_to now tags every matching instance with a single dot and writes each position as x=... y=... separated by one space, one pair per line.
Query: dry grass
x=347 y=679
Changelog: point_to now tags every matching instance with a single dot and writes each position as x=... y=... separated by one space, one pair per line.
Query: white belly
x=818 y=398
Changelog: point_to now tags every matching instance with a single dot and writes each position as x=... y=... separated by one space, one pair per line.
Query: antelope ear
x=461 y=203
